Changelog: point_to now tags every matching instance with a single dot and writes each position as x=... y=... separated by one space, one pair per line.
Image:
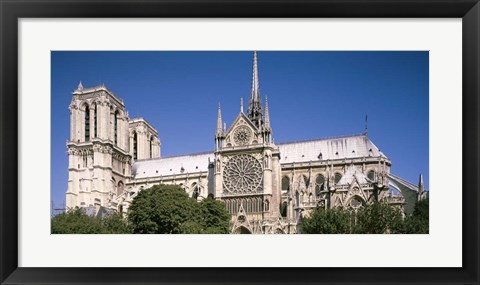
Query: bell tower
x=99 y=162
x=247 y=164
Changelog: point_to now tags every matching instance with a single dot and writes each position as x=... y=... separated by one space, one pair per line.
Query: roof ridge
x=172 y=156
x=323 y=139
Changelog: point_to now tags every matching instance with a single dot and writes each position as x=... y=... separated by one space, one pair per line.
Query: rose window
x=242 y=135
x=242 y=174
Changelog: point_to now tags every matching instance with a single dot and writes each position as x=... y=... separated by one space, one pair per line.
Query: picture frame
x=11 y=12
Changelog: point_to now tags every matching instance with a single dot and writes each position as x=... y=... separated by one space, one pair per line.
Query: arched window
x=371 y=175
x=135 y=146
x=120 y=188
x=283 y=209
x=338 y=176
x=320 y=181
x=151 y=147
x=307 y=180
x=95 y=121
x=87 y=123
x=286 y=183
x=196 y=190
x=115 y=127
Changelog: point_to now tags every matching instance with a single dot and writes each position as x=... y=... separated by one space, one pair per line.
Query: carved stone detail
x=242 y=175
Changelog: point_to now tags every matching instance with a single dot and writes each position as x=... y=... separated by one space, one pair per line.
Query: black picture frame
x=11 y=11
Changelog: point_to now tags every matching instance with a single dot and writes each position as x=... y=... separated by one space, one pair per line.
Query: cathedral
x=267 y=187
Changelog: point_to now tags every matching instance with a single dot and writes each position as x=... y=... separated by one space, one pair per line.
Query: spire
x=80 y=86
x=219 y=121
x=267 y=115
x=255 y=105
x=421 y=188
x=241 y=104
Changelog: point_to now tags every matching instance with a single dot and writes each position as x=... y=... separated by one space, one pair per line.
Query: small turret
x=267 y=115
x=219 y=131
x=421 y=188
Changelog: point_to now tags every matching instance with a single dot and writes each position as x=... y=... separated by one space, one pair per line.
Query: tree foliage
x=417 y=223
x=378 y=218
x=327 y=221
x=375 y=218
x=167 y=209
x=75 y=221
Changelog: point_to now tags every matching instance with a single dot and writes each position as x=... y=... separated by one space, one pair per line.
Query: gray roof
x=172 y=165
x=354 y=146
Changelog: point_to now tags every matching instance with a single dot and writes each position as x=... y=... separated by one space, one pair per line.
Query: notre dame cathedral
x=267 y=187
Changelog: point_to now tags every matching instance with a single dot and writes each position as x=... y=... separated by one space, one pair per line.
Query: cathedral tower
x=99 y=162
x=247 y=165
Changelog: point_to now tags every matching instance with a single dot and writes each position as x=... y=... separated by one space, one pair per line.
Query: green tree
x=215 y=217
x=327 y=221
x=418 y=222
x=75 y=221
x=378 y=218
x=115 y=223
x=167 y=209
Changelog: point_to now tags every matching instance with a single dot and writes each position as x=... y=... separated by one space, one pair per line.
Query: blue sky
x=310 y=95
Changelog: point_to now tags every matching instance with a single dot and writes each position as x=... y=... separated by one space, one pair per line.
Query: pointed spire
x=219 y=121
x=255 y=105
x=241 y=104
x=80 y=86
x=267 y=115
x=421 y=188
x=255 y=96
x=420 y=184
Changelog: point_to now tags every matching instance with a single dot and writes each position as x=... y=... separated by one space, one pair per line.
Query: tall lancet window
x=151 y=147
x=115 y=127
x=87 y=124
x=95 y=121
x=135 y=146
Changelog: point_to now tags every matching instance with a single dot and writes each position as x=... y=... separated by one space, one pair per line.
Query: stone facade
x=266 y=187
x=103 y=144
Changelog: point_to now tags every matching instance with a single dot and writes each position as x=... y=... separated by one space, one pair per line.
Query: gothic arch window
x=283 y=209
x=286 y=183
x=95 y=131
x=120 y=188
x=338 y=176
x=135 y=146
x=151 y=147
x=371 y=175
x=320 y=183
x=196 y=190
x=307 y=180
x=87 y=123
x=115 y=126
